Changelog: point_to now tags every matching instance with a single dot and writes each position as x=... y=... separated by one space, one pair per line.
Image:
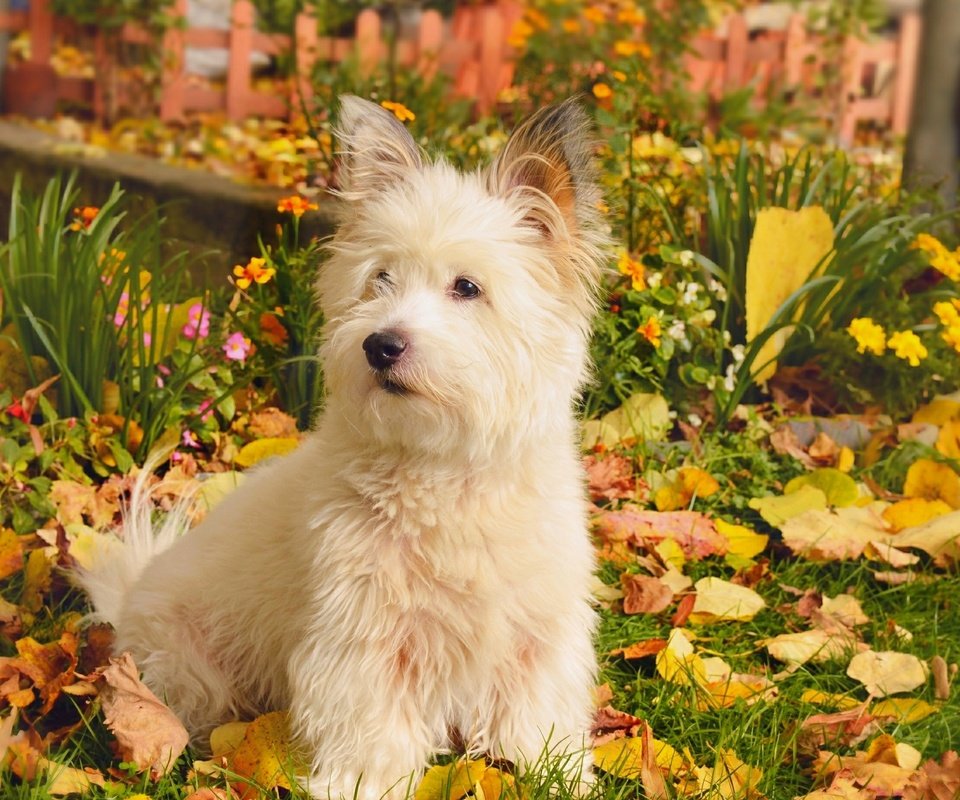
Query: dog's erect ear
x=376 y=150
x=549 y=158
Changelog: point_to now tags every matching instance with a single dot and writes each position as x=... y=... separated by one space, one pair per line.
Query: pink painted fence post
x=736 y=63
x=908 y=56
x=851 y=88
x=492 y=42
x=305 y=41
x=793 y=50
x=429 y=40
x=239 y=73
x=173 y=71
x=368 y=40
x=40 y=21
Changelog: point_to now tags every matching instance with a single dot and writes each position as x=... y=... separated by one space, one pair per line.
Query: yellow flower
x=537 y=18
x=628 y=265
x=868 y=334
x=631 y=16
x=620 y=76
x=907 y=345
x=651 y=331
x=400 y=111
x=594 y=14
x=255 y=271
x=570 y=25
x=952 y=336
x=627 y=48
x=602 y=91
x=295 y=205
x=938 y=256
x=947 y=312
x=521 y=31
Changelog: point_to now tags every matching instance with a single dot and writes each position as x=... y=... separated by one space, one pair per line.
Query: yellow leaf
x=839 y=489
x=815 y=645
x=887 y=672
x=677 y=662
x=777 y=510
x=36 y=580
x=671 y=551
x=226 y=738
x=624 y=757
x=904 y=710
x=690 y=484
x=844 y=608
x=642 y=417
x=11 y=553
x=265 y=756
x=736 y=686
x=937 y=412
x=741 y=541
x=933 y=480
x=914 y=511
x=939 y=538
x=789 y=245
x=817 y=698
x=262 y=449
x=718 y=599
x=948 y=440
x=496 y=785
x=597 y=432
x=64 y=780
x=450 y=781
x=845 y=459
x=215 y=488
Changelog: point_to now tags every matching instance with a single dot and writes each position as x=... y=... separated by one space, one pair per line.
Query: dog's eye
x=466 y=288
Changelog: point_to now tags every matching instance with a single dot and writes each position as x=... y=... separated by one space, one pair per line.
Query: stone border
x=213 y=218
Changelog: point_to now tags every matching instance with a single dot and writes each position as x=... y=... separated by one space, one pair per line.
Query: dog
x=417 y=572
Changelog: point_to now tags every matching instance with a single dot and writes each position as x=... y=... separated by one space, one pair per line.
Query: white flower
x=695 y=420
x=677 y=330
x=654 y=279
x=737 y=351
x=728 y=380
x=718 y=289
x=690 y=292
x=685 y=257
x=704 y=319
x=726 y=337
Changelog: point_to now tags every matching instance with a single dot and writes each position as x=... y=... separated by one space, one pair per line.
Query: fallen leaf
x=643 y=594
x=610 y=477
x=905 y=710
x=845 y=608
x=742 y=542
x=651 y=776
x=609 y=724
x=932 y=480
x=678 y=663
x=914 y=511
x=785 y=441
x=887 y=672
x=11 y=553
x=148 y=733
x=938 y=538
x=265 y=756
x=736 y=686
x=776 y=510
x=885 y=767
x=226 y=738
x=49 y=666
x=817 y=698
x=795 y=649
x=37 y=575
x=690 y=484
x=837 y=729
x=624 y=757
x=937 y=412
x=694 y=532
x=271 y=423
x=718 y=599
x=649 y=647
x=63 y=780
x=450 y=781
x=936 y=781
x=948 y=440
x=832 y=535
x=839 y=489
x=641 y=418
x=261 y=449
x=731 y=778
x=843 y=786
x=80 y=503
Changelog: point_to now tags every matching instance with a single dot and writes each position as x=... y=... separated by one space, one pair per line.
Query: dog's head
x=458 y=306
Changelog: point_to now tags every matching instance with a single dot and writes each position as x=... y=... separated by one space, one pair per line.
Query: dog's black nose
x=384 y=349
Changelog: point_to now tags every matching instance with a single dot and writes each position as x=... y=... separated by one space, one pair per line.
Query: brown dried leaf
x=786 y=442
x=644 y=649
x=610 y=477
x=271 y=423
x=11 y=553
x=644 y=594
x=265 y=756
x=148 y=733
x=609 y=724
x=936 y=781
x=887 y=672
x=836 y=729
x=694 y=532
x=79 y=503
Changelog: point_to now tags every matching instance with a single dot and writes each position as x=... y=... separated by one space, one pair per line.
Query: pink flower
x=237 y=347
x=189 y=439
x=205 y=410
x=198 y=322
x=122 y=307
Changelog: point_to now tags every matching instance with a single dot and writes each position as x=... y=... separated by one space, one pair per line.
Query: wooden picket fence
x=878 y=76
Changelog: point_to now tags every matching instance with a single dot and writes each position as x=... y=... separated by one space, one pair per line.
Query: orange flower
x=570 y=26
x=255 y=271
x=651 y=331
x=272 y=329
x=83 y=217
x=602 y=91
x=295 y=205
x=400 y=111
x=594 y=14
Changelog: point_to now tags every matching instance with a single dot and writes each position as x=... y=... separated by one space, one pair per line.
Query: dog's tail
x=118 y=560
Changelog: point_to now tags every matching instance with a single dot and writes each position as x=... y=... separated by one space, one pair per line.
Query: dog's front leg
x=364 y=736
x=543 y=705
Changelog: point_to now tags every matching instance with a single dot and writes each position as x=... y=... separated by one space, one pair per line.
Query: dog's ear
x=547 y=165
x=376 y=150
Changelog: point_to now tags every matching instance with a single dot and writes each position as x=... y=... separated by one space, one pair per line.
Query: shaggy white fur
x=420 y=565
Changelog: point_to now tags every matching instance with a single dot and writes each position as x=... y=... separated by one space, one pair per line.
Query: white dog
x=418 y=571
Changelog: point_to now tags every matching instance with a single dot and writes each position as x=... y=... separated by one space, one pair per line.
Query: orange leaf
x=11 y=553
x=264 y=756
